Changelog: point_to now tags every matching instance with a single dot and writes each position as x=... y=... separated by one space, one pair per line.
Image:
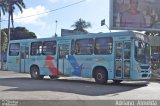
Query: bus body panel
x=106 y=62
x=13 y=64
x=69 y=61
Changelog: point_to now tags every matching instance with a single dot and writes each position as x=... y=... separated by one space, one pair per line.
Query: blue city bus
x=116 y=56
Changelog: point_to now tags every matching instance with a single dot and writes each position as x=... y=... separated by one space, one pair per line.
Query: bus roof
x=110 y=34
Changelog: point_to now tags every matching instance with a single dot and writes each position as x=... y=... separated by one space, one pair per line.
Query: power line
x=49 y=11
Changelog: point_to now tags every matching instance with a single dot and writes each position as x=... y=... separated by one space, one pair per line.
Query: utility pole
x=9 y=20
x=0 y=44
x=0 y=40
x=56 y=28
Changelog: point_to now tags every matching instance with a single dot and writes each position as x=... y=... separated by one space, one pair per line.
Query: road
x=20 y=86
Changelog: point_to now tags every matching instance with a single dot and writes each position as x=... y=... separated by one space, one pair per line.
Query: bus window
x=72 y=47
x=142 y=52
x=24 y=52
x=103 y=45
x=118 y=68
x=49 y=48
x=63 y=51
x=119 y=50
x=84 y=46
x=127 y=52
x=14 y=49
x=127 y=68
x=36 y=48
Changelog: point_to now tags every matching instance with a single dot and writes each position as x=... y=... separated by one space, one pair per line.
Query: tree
x=18 y=33
x=81 y=25
x=11 y=7
x=4 y=42
x=21 y=33
x=3 y=7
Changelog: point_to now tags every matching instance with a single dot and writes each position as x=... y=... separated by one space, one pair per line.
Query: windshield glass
x=142 y=52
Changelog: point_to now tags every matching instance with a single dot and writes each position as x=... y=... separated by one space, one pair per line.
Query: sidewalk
x=155 y=75
x=12 y=74
x=155 y=79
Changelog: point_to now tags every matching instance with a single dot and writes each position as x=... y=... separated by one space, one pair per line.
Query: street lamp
x=103 y=23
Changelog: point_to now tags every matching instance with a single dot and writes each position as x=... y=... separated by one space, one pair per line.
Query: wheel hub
x=99 y=76
x=35 y=73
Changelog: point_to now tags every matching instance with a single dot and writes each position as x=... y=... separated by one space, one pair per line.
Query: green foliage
x=12 y=4
x=4 y=41
x=81 y=25
x=3 y=7
x=21 y=33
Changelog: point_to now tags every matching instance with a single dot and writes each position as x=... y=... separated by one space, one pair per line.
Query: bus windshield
x=142 y=52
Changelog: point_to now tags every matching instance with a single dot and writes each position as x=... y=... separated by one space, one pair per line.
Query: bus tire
x=117 y=81
x=100 y=76
x=35 y=73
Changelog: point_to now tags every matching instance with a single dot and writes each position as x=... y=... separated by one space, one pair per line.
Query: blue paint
x=77 y=68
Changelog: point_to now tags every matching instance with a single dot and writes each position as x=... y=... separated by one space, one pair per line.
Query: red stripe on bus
x=50 y=65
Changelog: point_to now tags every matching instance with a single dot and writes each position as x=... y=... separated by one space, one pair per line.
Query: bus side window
x=118 y=54
x=118 y=71
x=127 y=55
x=127 y=52
x=84 y=46
x=103 y=46
x=49 y=48
x=36 y=48
x=14 y=49
x=24 y=55
x=119 y=47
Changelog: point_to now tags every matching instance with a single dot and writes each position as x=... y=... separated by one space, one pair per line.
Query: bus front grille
x=144 y=75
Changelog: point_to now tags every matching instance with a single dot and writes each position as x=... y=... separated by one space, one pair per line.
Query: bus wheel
x=35 y=73
x=100 y=76
x=117 y=81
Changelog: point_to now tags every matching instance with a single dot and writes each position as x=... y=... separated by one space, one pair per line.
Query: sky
x=43 y=23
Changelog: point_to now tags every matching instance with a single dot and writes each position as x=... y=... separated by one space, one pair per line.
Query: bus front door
x=122 y=60
x=62 y=64
x=24 y=59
